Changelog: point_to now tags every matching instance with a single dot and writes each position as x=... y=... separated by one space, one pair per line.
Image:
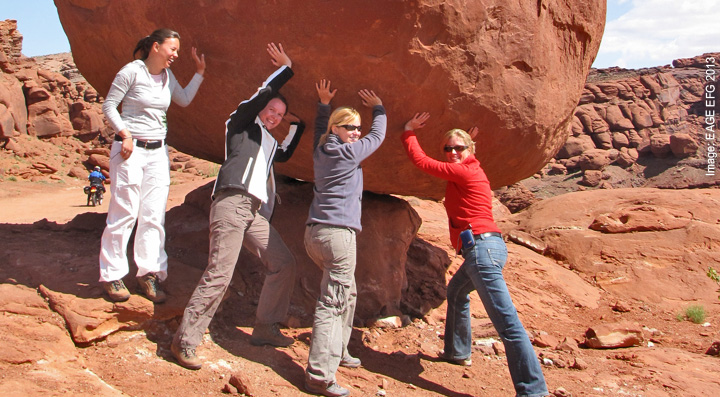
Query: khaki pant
x=333 y=249
x=235 y=223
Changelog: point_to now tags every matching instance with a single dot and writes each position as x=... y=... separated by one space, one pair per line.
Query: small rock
x=227 y=389
x=499 y=348
x=241 y=383
x=545 y=340
x=561 y=392
x=384 y=383
x=485 y=341
x=387 y=322
x=568 y=345
x=579 y=363
x=714 y=349
x=621 y=307
x=485 y=350
x=610 y=336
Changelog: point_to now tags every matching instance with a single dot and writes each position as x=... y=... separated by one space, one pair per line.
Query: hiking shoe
x=331 y=390
x=150 y=287
x=116 y=290
x=269 y=334
x=466 y=362
x=350 y=362
x=185 y=356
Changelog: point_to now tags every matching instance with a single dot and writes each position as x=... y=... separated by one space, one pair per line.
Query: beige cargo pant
x=236 y=223
x=333 y=249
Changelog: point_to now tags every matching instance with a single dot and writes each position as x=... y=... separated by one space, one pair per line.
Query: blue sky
x=638 y=33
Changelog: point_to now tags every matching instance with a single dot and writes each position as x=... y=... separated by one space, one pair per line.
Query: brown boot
x=185 y=356
x=150 y=287
x=269 y=334
x=116 y=290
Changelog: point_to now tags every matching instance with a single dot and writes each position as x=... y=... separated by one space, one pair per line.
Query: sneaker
x=269 y=334
x=116 y=290
x=466 y=362
x=185 y=356
x=350 y=362
x=331 y=390
x=150 y=287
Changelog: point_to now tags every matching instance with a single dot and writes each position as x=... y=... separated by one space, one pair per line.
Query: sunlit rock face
x=514 y=69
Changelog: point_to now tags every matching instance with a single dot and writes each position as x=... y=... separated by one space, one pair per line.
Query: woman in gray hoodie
x=331 y=228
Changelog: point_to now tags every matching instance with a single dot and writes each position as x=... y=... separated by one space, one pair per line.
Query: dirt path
x=28 y=202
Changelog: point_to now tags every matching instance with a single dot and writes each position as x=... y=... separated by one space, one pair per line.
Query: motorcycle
x=95 y=194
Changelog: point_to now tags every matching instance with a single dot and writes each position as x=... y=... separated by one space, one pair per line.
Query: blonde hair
x=466 y=138
x=340 y=116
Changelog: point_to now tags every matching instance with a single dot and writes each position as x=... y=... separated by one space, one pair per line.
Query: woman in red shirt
x=468 y=203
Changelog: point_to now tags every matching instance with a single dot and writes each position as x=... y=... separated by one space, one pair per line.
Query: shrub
x=714 y=276
x=695 y=313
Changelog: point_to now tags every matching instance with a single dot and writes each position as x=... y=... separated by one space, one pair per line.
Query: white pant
x=139 y=191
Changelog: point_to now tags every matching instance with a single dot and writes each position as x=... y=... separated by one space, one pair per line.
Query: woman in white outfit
x=139 y=163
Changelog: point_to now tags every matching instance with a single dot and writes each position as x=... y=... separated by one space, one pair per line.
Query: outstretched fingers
x=369 y=98
x=473 y=132
x=324 y=92
x=418 y=121
x=199 y=61
x=278 y=55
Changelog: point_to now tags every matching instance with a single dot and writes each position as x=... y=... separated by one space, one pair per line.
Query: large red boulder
x=516 y=70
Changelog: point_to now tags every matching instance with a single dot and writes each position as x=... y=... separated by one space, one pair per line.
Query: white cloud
x=654 y=32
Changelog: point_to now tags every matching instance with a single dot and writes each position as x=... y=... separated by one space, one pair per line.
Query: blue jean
x=482 y=271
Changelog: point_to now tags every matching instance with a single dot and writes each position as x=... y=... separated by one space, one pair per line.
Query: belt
x=483 y=236
x=144 y=144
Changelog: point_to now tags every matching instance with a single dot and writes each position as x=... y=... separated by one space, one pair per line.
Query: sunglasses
x=350 y=127
x=457 y=149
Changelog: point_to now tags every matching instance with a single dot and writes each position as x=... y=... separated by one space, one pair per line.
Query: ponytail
x=159 y=36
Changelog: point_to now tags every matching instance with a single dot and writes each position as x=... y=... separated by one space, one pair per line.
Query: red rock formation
x=385 y=271
x=516 y=70
x=656 y=112
x=631 y=241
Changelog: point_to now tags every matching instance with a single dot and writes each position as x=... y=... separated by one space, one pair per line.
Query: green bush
x=714 y=276
x=696 y=314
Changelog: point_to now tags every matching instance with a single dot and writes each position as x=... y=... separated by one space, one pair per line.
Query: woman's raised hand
x=199 y=61
x=418 y=121
x=369 y=98
x=473 y=132
x=323 y=90
x=278 y=55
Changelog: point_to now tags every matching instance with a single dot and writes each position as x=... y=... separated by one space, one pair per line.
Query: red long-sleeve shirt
x=468 y=198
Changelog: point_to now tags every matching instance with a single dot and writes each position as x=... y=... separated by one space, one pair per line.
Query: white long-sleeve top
x=144 y=104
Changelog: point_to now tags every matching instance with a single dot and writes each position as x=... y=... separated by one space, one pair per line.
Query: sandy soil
x=395 y=362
